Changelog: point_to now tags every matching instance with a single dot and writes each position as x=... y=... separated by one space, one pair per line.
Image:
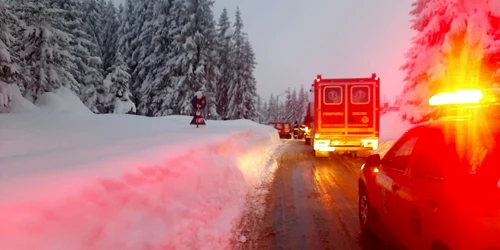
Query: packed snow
x=76 y=180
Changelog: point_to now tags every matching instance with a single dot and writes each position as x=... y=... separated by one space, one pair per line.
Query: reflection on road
x=312 y=204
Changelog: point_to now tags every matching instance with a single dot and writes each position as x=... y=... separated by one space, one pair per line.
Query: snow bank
x=391 y=128
x=126 y=182
x=19 y=103
x=12 y=101
x=63 y=99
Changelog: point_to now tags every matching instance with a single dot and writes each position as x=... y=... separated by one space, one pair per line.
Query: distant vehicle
x=308 y=123
x=346 y=115
x=438 y=186
x=284 y=129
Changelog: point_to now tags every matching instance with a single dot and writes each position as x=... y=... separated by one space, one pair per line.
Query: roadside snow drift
x=84 y=181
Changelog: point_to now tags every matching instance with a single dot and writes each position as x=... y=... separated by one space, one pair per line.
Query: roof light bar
x=458 y=97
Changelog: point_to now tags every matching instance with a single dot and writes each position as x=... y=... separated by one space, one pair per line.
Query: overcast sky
x=294 y=40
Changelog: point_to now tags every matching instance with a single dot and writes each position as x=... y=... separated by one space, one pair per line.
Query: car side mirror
x=373 y=161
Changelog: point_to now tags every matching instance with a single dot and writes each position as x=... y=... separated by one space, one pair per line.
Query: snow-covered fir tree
x=44 y=48
x=242 y=90
x=161 y=96
x=84 y=23
x=456 y=44
x=145 y=12
x=289 y=106
x=114 y=94
x=126 y=31
x=198 y=66
x=293 y=109
x=155 y=90
x=302 y=102
x=224 y=50
x=8 y=60
x=109 y=36
x=158 y=52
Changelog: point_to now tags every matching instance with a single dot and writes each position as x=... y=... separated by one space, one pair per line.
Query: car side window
x=429 y=161
x=399 y=156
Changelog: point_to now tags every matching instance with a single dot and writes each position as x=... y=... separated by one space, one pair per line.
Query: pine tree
x=115 y=96
x=83 y=23
x=170 y=73
x=142 y=49
x=198 y=67
x=109 y=36
x=125 y=34
x=242 y=90
x=45 y=49
x=8 y=60
x=295 y=107
x=224 y=50
x=303 y=100
x=264 y=113
x=288 y=106
x=155 y=89
x=271 y=109
x=250 y=83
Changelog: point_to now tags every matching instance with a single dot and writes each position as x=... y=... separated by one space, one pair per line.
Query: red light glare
x=376 y=78
x=317 y=79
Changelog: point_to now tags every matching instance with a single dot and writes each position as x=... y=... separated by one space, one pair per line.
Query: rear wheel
x=364 y=211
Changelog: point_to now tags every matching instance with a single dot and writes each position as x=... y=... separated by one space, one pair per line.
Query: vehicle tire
x=364 y=211
x=308 y=141
x=321 y=154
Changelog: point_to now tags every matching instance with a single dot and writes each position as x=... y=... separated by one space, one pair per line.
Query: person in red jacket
x=199 y=102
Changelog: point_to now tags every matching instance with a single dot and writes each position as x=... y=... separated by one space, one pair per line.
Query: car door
x=393 y=178
x=425 y=191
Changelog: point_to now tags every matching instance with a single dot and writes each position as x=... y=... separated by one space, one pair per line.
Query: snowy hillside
x=76 y=180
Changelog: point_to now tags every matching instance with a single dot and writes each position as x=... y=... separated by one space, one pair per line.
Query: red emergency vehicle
x=346 y=115
x=284 y=129
x=438 y=186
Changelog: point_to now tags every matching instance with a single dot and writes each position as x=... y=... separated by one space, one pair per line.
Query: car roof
x=453 y=122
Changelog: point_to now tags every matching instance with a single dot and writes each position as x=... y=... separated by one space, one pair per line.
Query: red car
x=284 y=129
x=438 y=186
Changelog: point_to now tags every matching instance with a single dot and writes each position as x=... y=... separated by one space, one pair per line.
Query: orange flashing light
x=457 y=97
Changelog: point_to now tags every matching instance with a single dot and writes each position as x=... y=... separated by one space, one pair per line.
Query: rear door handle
x=395 y=187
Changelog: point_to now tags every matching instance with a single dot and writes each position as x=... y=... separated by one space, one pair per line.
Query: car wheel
x=364 y=211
